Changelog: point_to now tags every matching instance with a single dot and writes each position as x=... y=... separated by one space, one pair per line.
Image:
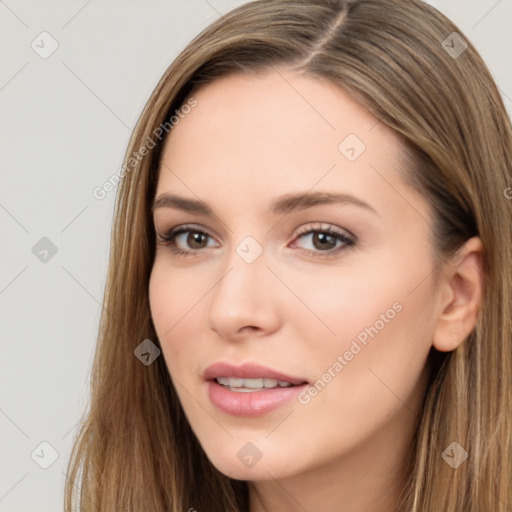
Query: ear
x=462 y=285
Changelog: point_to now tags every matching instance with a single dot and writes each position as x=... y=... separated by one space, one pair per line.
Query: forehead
x=254 y=136
x=276 y=108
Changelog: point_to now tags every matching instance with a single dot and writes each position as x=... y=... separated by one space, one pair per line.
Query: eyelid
x=323 y=226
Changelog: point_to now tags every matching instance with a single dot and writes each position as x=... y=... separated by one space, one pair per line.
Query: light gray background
x=65 y=125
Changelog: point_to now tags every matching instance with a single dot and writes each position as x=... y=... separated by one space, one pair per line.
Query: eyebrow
x=282 y=205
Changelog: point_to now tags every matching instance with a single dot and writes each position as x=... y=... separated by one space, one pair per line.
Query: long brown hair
x=135 y=450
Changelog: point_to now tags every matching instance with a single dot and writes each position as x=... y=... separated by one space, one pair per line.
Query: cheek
x=375 y=293
x=373 y=330
x=173 y=295
x=340 y=305
x=384 y=333
x=370 y=374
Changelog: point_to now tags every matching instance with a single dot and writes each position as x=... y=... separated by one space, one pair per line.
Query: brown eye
x=186 y=240
x=196 y=240
x=323 y=240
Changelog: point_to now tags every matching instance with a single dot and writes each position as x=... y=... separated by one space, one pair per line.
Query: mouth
x=250 y=389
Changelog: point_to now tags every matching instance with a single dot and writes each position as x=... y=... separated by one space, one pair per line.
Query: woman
x=308 y=304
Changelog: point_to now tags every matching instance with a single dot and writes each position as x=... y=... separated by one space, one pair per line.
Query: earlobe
x=463 y=283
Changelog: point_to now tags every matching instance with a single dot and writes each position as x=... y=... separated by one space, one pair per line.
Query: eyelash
x=168 y=239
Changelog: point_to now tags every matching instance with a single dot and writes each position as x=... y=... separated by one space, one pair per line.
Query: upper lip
x=248 y=371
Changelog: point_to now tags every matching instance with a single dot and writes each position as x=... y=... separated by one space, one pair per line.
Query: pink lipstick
x=250 y=389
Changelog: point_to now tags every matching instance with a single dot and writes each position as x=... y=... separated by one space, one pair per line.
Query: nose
x=245 y=300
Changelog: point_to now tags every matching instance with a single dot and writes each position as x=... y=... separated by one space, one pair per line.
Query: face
x=292 y=289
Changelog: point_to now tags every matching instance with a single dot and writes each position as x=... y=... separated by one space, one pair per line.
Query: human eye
x=186 y=240
x=324 y=240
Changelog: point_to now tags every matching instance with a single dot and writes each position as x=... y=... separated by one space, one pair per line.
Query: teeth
x=251 y=384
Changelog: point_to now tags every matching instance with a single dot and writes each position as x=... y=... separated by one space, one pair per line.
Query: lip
x=248 y=371
x=253 y=403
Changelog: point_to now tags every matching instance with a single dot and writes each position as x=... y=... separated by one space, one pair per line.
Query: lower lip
x=250 y=403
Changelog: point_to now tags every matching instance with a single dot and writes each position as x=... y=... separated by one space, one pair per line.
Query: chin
x=260 y=470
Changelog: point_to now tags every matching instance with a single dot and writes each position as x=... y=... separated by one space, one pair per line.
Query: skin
x=251 y=139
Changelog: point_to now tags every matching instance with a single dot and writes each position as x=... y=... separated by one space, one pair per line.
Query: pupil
x=325 y=241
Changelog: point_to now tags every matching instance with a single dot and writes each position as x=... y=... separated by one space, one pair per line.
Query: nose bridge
x=242 y=296
x=245 y=270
